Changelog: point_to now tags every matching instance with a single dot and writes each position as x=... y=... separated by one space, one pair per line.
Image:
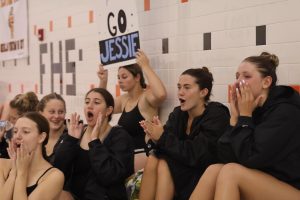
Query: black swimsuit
x=130 y=122
x=32 y=187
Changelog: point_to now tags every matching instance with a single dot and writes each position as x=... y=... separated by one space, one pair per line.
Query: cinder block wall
x=176 y=34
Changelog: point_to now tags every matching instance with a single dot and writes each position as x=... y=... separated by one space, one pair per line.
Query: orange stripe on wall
x=296 y=87
x=146 y=5
x=36 y=88
x=51 y=26
x=69 y=21
x=22 y=88
x=228 y=92
x=184 y=1
x=9 y=88
x=34 y=29
x=91 y=16
x=118 y=92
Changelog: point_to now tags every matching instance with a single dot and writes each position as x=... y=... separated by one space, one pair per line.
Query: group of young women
x=202 y=152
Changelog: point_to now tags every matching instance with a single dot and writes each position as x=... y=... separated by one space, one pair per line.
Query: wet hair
x=24 y=102
x=108 y=98
x=42 y=125
x=203 y=77
x=266 y=64
x=135 y=69
x=43 y=102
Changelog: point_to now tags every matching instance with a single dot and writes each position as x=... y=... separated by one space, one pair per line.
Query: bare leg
x=238 y=182
x=149 y=179
x=140 y=160
x=64 y=195
x=165 y=186
x=205 y=189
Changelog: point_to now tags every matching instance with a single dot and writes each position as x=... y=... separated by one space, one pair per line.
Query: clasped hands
x=153 y=129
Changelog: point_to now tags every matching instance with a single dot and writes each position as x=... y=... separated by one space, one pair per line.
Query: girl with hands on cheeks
x=241 y=100
x=180 y=151
x=139 y=101
x=263 y=142
x=100 y=156
x=27 y=174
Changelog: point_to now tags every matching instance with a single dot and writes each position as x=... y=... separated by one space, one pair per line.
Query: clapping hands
x=153 y=129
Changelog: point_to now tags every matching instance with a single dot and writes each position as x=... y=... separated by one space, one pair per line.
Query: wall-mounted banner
x=119 y=33
x=14 y=29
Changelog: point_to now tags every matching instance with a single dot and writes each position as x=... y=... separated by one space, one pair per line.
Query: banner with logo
x=13 y=29
x=119 y=32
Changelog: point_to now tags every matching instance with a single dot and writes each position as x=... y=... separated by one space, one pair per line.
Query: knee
x=151 y=164
x=162 y=168
x=230 y=172
x=213 y=169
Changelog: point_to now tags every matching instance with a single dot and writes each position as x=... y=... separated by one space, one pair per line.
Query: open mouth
x=90 y=114
x=181 y=100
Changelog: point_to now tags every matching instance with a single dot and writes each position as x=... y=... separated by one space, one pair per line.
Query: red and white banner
x=14 y=29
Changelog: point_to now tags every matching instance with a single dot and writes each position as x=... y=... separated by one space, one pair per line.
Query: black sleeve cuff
x=94 y=143
x=150 y=147
x=245 y=122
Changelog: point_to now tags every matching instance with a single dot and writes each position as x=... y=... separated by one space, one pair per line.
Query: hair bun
x=204 y=68
x=272 y=57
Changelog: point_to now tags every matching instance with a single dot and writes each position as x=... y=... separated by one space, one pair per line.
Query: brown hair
x=42 y=125
x=203 y=77
x=135 y=69
x=43 y=102
x=108 y=98
x=24 y=102
x=266 y=64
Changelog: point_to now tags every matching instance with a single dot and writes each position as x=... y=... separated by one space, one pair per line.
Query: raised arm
x=5 y=111
x=7 y=180
x=156 y=92
x=67 y=150
x=103 y=77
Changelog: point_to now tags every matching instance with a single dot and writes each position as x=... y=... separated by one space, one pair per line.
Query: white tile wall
x=232 y=24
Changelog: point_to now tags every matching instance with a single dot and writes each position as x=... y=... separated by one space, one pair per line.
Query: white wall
x=232 y=24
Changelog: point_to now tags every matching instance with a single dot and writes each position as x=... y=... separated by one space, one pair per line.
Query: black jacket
x=270 y=139
x=3 y=151
x=189 y=155
x=110 y=163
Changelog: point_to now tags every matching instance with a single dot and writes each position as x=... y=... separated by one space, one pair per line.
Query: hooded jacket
x=188 y=155
x=269 y=140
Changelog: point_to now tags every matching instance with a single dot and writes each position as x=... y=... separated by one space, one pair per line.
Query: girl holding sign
x=140 y=102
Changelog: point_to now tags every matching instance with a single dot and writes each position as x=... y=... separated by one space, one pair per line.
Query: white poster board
x=119 y=33
x=14 y=29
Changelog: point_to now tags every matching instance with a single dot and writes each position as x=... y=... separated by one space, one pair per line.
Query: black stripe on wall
x=206 y=41
x=165 y=45
x=261 y=35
